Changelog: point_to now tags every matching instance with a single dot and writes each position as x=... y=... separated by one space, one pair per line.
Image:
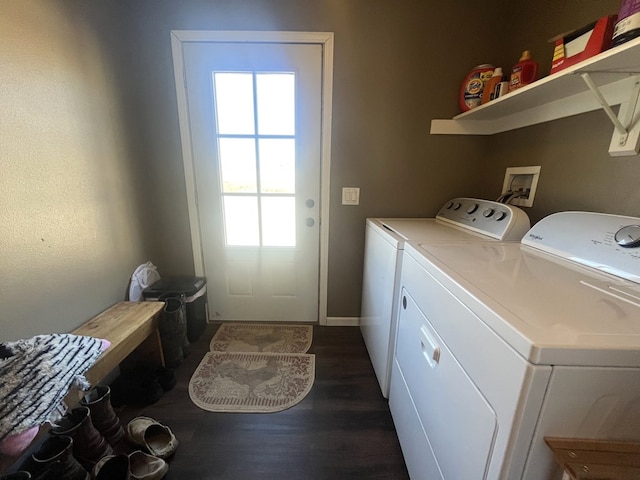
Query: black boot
x=186 y=346
x=180 y=319
x=138 y=387
x=89 y=445
x=172 y=326
x=166 y=378
x=16 y=476
x=98 y=400
x=54 y=460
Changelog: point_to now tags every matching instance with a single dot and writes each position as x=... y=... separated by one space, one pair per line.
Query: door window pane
x=238 y=165
x=278 y=221
x=241 y=221
x=262 y=219
x=276 y=103
x=234 y=103
x=277 y=165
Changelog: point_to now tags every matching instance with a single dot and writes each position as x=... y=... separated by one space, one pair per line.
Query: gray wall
x=577 y=172
x=92 y=182
x=396 y=66
x=69 y=198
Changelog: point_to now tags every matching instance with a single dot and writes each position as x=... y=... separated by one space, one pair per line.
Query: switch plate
x=350 y=196
x=523 y=181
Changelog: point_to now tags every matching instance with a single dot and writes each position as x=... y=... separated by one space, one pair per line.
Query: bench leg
x=152 y=348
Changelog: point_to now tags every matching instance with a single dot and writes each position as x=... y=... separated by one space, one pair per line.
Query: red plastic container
x=524 y=72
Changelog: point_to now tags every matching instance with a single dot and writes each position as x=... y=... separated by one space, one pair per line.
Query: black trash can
x=195 y=297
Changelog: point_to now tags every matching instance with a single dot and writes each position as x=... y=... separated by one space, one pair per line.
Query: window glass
x=234 y=103
x=241 y=220
x=277 y=165
x=262 y=163
x=238 y=165
x=276 y=103
x=278 y=221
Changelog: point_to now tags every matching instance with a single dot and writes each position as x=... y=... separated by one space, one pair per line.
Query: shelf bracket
x=629 y=143
x=622 y=130
x=626 y=137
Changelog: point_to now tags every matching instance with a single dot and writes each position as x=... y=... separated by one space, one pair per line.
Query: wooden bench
x=127 y=325
x=585 y=459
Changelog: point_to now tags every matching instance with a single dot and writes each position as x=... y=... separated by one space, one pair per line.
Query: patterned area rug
x=250 y=337
x=254 y=368
x=251 y=382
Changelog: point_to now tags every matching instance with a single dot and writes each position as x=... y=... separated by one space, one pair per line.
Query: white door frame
x=325 y=39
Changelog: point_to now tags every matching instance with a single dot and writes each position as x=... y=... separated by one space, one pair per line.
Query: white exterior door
x=255 y=129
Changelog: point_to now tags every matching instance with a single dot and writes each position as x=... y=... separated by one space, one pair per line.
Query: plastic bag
x=144 y=276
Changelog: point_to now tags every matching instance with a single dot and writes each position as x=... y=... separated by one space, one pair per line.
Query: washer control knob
x=501 y=216
x=628 y=236
x=457 y=206
x=488 y=212
x=449 y=205
x=472 y=208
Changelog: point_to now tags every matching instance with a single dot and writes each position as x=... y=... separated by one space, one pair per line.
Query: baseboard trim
x=330 y=321
x=343 y=321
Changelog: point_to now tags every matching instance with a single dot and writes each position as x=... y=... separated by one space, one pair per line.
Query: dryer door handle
x=430 y=348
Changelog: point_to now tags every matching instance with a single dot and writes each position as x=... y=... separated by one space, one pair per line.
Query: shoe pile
x=81 y=446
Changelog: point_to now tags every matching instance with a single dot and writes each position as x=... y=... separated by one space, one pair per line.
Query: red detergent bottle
x=524 y=72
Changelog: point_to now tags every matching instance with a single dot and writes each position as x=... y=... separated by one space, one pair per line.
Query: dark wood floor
x=341 y=430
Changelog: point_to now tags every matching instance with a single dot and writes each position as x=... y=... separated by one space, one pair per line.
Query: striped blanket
x=36 y=375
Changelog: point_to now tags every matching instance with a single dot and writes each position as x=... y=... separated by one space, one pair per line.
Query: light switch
x=350 y=196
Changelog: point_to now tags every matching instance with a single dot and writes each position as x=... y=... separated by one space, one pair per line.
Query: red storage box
x=578 y=45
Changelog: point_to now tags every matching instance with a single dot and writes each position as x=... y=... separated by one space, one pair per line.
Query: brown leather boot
x=89 y=445
x=54 y=460
x=98 y=401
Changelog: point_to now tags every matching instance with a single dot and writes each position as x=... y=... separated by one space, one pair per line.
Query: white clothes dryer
x=500 y=345
x=461 y=220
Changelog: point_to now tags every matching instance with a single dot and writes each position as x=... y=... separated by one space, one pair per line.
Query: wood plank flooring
x=341 y=430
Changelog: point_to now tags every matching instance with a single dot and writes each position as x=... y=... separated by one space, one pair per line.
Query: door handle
x=430 y=348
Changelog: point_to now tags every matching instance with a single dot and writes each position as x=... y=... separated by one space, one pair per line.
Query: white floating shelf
x=563 y=94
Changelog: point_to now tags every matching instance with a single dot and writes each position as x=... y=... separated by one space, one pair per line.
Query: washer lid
x=428 y=229
x=601 y=241
x=552 y=311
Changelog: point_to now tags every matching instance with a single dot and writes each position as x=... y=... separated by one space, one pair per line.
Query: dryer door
x=460 y=425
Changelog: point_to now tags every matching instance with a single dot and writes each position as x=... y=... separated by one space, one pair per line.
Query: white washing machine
x=461 y=220
x=500 y=345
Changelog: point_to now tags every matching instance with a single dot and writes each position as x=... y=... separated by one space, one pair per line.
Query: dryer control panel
x=494 y=219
